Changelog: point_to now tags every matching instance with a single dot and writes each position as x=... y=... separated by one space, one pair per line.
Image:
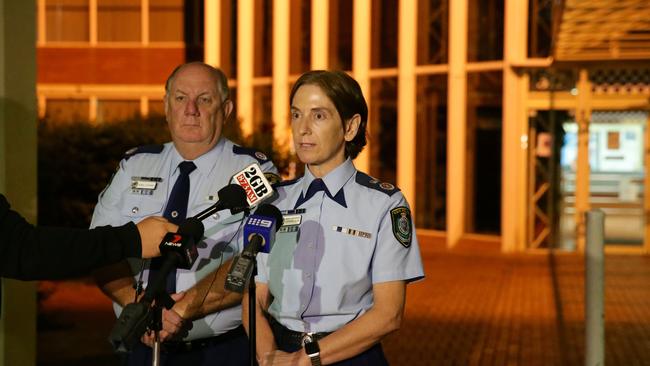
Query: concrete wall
x=18 y=167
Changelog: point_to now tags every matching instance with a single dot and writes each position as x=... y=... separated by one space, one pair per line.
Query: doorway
x=616 y=180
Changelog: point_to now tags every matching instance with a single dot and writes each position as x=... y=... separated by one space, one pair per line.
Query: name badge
x=291 y=220
x=144 y=185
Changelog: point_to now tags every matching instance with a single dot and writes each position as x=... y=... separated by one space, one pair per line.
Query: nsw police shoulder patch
x=400 y=218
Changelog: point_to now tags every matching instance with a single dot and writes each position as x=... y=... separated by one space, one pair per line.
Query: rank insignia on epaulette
x=402 y=226
x=272 y=178
x=260 y=155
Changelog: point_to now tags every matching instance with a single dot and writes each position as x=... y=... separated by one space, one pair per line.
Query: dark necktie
x=175 y=211
x=316 y=186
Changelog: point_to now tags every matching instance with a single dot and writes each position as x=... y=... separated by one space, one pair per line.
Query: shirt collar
x=204 y=163
x=334 y=181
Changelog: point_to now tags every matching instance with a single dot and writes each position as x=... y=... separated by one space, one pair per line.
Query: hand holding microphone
x=179 y=251
x=152 y=230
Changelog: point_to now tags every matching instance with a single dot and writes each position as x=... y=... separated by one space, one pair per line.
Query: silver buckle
x=307 y=338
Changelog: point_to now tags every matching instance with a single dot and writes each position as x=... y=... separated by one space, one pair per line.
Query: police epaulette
x=284 y=183
x=370 y=182
x=148 y=149
x=258 y=155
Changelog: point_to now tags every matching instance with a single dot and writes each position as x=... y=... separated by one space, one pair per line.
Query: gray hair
x=216 y=73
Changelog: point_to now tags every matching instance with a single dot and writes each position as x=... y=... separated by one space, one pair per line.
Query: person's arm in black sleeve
x=29 y=252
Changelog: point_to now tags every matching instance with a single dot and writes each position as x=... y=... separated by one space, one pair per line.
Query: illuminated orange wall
x=95 y=65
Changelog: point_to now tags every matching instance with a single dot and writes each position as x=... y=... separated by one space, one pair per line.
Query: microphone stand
x=162 y=299
x=252 y=312
x=156 y=326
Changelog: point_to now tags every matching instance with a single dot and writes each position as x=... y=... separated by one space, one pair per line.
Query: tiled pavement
x=476 y=307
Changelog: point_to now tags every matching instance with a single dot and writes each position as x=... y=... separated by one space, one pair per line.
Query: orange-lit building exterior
x=502 y=121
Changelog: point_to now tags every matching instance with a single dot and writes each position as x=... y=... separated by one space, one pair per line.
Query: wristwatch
x=311 y=348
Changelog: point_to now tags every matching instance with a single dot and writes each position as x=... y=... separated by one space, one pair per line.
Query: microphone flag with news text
x=259 y=235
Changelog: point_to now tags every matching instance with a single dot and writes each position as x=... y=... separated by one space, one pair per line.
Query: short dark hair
x=217 y=74
x=347 y=97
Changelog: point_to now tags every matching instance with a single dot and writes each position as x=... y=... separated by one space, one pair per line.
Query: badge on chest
x=144 y=185
x=291 y=221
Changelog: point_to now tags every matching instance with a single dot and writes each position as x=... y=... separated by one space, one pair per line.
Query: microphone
x=231 y=197
x=256 y=187
x=179 y=251
x=259 y=235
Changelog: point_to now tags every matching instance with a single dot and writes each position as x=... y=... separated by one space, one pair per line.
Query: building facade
x=502 y=121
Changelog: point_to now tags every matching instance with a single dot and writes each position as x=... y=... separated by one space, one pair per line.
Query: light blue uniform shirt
x=121 y=203
x=329 y=253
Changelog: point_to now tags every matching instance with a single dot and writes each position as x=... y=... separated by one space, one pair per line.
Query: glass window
x=431 y=152
x=118 y=21
x=263 y=53
x=433 y=31
x=485 y=30
x=340 y=35
x=229 y=37
x=194 y=30
x=262 y=114
x=383 y=34
x=166 y=20
x=66 y=20
x=383 y=129
x=540 y=18
x=232 y=127
x=484 y=111
x=300 y=37
x=67 y=110
x=117 y=110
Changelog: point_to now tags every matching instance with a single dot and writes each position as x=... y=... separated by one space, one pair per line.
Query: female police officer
x=334 y=283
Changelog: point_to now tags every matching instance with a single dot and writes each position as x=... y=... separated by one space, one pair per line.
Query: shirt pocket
x=282 y=250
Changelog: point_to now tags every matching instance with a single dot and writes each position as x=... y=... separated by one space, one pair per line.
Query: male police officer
x=175 y=180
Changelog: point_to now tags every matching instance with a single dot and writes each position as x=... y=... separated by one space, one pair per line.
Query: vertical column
x=212 y=35
x=92 y=23
x=280 y=85
x=456 y=127
x=583 y=116
x=18 y=118
x=319 y=34
x=144 y=22
x=144 y=106
x=41 y=36
x=245 y=34
x=646 y=186
x=361 y=63
x=93 y=103
x=406 y=94
x=514 y=130
x=595 y=288
x=42 y=105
